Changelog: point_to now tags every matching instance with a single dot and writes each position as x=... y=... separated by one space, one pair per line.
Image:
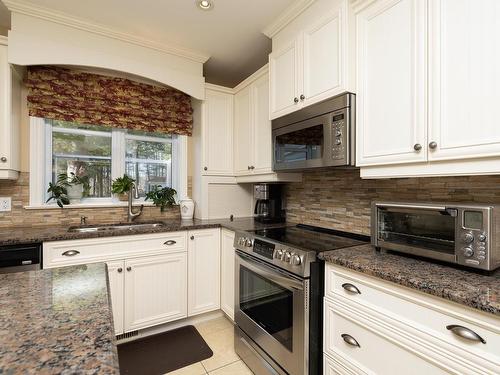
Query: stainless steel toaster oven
x=464 y=234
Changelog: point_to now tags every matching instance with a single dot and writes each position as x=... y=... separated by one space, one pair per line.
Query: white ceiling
x=230 y=33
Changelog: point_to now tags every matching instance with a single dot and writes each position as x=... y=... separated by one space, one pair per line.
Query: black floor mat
x=164 y=352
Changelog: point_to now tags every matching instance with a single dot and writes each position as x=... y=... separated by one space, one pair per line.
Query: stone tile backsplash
x=19 y=216
x=340 y=199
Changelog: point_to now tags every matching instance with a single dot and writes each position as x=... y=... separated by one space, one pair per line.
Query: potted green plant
x=121 y=186
x=162 y=197
x=58 y=192
x=75 y=186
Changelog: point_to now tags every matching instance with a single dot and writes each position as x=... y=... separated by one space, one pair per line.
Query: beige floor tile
x=213 y=325
x=236 y=368
x=194 y=369
x=222 y=344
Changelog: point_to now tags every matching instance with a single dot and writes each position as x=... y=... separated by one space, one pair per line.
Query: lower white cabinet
x=155 y=290
x=203 y=271
x=117 y=291
x=387 y=329
x=227 y=273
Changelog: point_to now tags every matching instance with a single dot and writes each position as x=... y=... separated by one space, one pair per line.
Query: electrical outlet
x=5 y=204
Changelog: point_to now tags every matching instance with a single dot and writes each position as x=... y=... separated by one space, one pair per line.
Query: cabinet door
x=262 y=137
x=464 y=79
x=217 y=133
x=391 y=82
x=116 y=288
x=243 y=147
x=227 y=272
x=203 y=271
x=155 y=290
x=324 y=54
x=284 y=77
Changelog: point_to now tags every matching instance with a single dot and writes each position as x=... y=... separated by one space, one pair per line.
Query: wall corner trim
x=290 y=13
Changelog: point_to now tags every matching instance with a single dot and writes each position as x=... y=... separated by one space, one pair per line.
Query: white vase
x=75 y=193
x=187 y=209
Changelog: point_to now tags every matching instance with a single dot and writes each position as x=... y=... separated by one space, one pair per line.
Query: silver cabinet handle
x=170 y=242
x=302 y=97
x=71 y=253
x=248 y=167
x=120 y=270
x=129 y=268
x=295 y=100
x=433 y=145
x=351 y=288
x=349 y=340
x=3 y=159
x=192 y=237
x=417 y=147
x=465 y=333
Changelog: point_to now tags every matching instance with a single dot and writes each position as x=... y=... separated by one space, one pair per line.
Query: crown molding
x=218 y=88
x=23 y=7
x=250 y=79
x=290 y=13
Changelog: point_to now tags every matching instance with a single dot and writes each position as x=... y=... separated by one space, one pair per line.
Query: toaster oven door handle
x=414 y=206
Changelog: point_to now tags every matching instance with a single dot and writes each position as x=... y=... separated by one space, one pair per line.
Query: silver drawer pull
x=348 y=339
x=351 y=288
x=170 y=242
x=71 y=253
x=465 y=333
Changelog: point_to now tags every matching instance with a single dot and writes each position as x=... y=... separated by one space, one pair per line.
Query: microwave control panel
x=339 y=136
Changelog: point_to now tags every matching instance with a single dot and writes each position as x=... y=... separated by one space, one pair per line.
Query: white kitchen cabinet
x=227 y=272
x=155 y=290
x=312 y=66
x=217 y=132
x=391 y=88
x=10 y=116
x=243 y=124
x=117 y=289
x=203 y=271
x=464 y=79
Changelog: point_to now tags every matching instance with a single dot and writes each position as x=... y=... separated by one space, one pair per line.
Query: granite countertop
x=57 y=321
x=468 y=288
x=26 y=235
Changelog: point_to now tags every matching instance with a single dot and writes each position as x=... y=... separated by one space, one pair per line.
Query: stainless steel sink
x=115 y=227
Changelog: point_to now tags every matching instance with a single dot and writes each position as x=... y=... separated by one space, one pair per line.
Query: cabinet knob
x=120 y=270
x=248 y=167
x=295 y=100
x=433 y=145
x=192 y=237
x=252 y=167
x=302 y=97
x=205 y=169
x=3 y=159
x=129 y=268
x=417 y=147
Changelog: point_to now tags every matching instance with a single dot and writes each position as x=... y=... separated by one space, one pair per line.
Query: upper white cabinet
x=10 y=116
x=243 y=124
x=227 y=272
x=203 y=271
x=391 y=101
x=427 y=109
x=217 y=132
x=464 y=78
x=312 y=65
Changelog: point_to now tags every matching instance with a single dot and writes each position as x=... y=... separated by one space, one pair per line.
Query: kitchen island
x=57 y=321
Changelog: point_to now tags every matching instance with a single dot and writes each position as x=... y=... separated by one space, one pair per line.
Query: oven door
x=271 y=308
x=305 y=144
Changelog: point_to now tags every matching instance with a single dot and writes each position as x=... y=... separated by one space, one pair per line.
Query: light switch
x=5 y=204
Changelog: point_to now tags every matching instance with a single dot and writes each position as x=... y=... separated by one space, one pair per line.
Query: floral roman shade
x=68 y=95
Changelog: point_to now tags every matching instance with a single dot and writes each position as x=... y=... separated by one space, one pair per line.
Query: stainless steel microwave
x=321 y=135
x=464 y=234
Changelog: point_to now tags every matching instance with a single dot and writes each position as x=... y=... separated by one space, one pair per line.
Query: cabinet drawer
x=369 y=351
x=427 y=314
x=66 y=253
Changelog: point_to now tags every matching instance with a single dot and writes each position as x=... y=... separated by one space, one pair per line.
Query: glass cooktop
x=312 y=238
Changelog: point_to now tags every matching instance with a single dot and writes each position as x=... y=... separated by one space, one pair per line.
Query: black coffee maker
x=268 y=203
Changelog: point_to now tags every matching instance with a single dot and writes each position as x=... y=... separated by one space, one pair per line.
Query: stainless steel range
x=279 y=293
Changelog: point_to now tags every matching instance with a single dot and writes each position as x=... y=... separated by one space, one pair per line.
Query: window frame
x=41 y=164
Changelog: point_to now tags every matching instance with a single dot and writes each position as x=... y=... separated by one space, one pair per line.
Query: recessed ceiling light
x=205 y=4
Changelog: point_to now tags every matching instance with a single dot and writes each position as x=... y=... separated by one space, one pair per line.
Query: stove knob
x=286 y=257
x=468 y=237
x=296 y=261
x=241 y=241
x=278 y=254
x=248 y=242
x=468 y=252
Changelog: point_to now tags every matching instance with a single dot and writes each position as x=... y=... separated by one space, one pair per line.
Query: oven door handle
x=270 y=273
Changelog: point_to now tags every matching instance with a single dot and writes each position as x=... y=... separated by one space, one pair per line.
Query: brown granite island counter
x=57 y=321
x=468 y=288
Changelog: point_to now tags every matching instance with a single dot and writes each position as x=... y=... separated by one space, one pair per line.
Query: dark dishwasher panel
x=17 y=258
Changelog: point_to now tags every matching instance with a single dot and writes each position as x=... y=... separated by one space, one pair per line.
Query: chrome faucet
x=131 y=214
